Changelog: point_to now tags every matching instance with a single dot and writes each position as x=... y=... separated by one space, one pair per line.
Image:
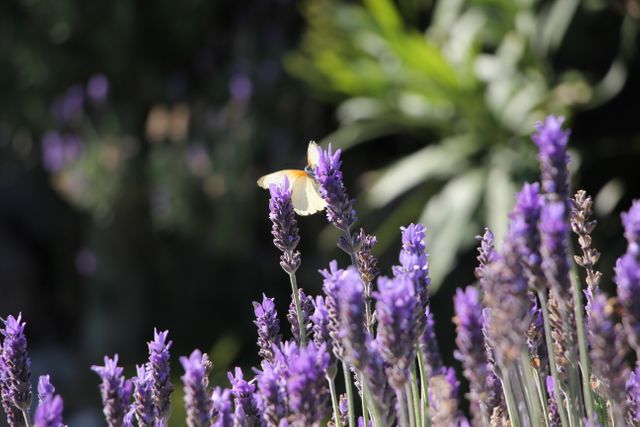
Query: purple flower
x=320 y=320
x=367 y=262
x=268 y=327
x=143 y=397
x=160 y=370
x=552 y=404
x=413 y=263
x=17 y=364
x=222 y=408
x=396 y=309
x=443 y=399
x=45 y=388
x=628 y=276
x=352 y=318
x=524 y=221
x=633 y=397
x=272 y=392
x=307 y=386
x=471 y=352
x=554 y=230
x=382 y=393
x=429 y=346
x=608 y=351
x=552 y=140
x=246 y=413
x=196 y=396
x=14 y=415
x=331 y=285
x=59 y=150
x=306 y=307
x=240 y=87
x=115 y=391
x=98 y=88
x=285 y=227
x=49 y=412
x=340 y=211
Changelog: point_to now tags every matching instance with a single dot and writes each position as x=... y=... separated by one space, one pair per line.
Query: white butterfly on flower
x=305 y=194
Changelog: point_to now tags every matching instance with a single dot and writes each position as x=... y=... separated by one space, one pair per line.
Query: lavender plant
x=519 y=332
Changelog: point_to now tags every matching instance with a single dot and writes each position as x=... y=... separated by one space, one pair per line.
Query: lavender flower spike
x=608 y=351
x=272 y=402
x=524 y=221
x=396 y=308
x=222 y=408
x=143 y=397
x=352 y=318
x=160 y=373
x=552 y=140
x=429 y=346
x=14 y=415
x=17 y=364
x=49 y=412
x=307 y=388
x=285 y=228
x=246 y=414
x=196 y=396
x=486 y=253
x=628 y=276
x=306 y=306
x=633 y=397
x=115 y=390
x=327 y=173
x=471 y=352
x=268 y=327
x=45 y=388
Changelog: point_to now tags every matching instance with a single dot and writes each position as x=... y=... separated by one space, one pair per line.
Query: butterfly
x=305 y=194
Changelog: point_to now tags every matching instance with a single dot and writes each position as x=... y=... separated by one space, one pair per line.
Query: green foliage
x=470 y=87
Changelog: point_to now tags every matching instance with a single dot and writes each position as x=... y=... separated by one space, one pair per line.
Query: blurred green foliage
x=469 y=87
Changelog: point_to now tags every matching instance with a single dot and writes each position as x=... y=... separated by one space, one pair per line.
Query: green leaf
x=434 y=161
x=450 y=222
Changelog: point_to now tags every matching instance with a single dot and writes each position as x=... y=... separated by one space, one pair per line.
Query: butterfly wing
x=313 y=154
x=305 y=196
x=278 y=178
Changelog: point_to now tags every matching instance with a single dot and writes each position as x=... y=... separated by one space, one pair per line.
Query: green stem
x=402 y=409
x=542 y=296
x=585 y=367
x=365 y=401
x=27 y=418
x=537 y=400
x=514 y=414
x=424 y=400
x=375 y=412
x=417 y=406
x=296 y=300
x=349 y=388
x=334 y=402
x=410 y=406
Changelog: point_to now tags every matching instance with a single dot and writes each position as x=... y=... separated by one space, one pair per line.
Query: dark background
x=153 y=219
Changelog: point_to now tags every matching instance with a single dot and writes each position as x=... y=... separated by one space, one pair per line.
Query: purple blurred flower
x=268 y=327
x=628 y=276
x=115 y=391
x=331 y=285
x=396 y=310
x=246 y=413
x=340 y=211
x=49 y=412
x=552 y=140
x=524 y=222
x=413 y=263
x=285 y=227
x=272 y=392
x=86 y=262
x=443 y=399
x=320 y=320
x=608 y=351
x=45 y=388
x=352 y=318
x=429 y=346
x=98 y=88
x=307 y=386
x=633 y=397
x=69 y=107
x=222 y=408
x=143 y=397
x=552 y=404
x=306 y=307
x=471 y=351
x=16 y=361
x=160 y=373
x=240 y=87
x=196 y=396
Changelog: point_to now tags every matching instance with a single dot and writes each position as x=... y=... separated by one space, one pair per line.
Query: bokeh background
x=132 y=134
